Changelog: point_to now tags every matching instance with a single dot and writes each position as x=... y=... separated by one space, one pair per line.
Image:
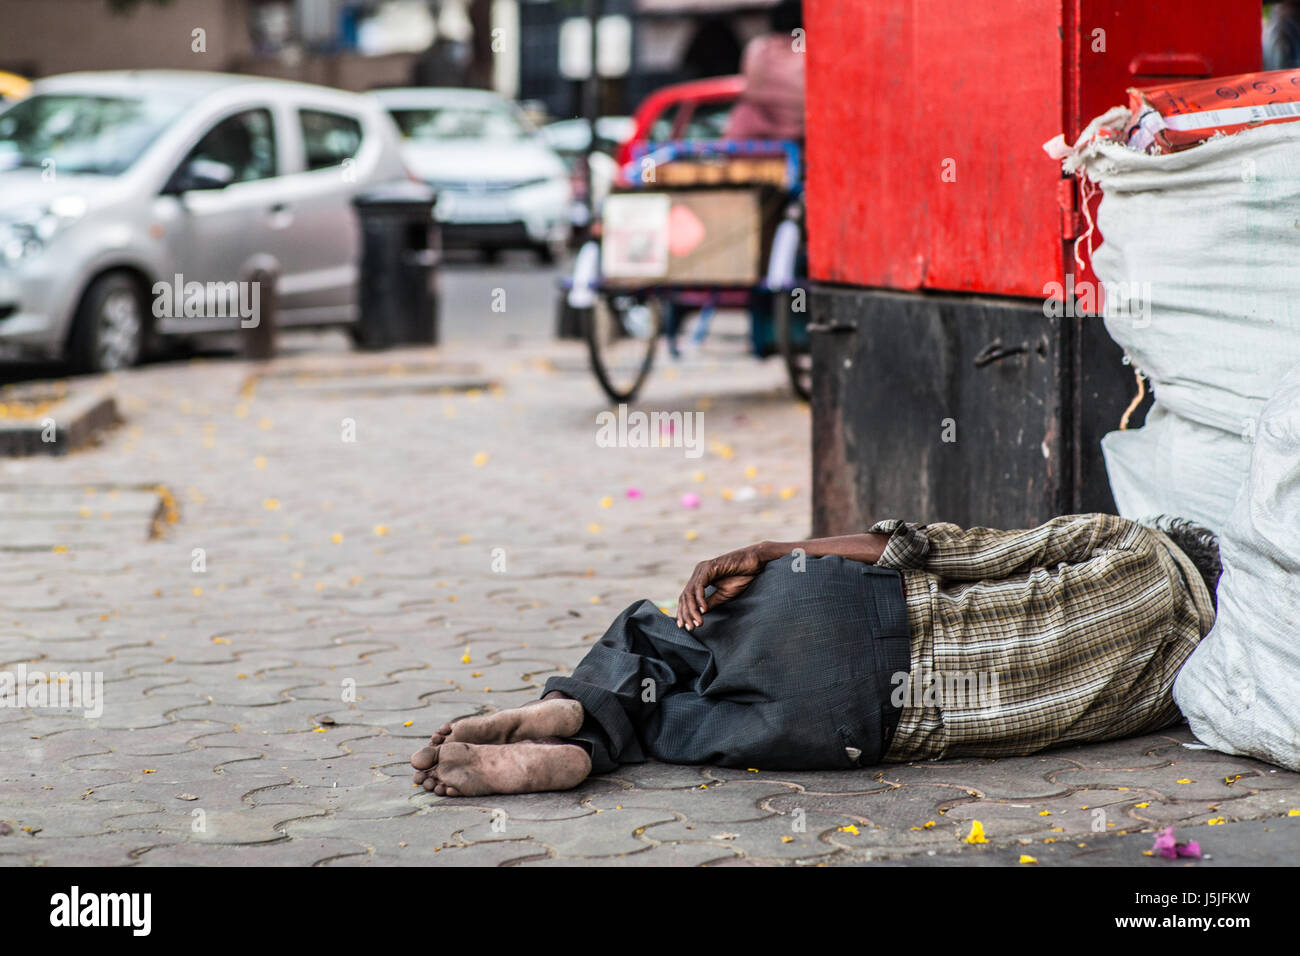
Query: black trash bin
x=400 y=252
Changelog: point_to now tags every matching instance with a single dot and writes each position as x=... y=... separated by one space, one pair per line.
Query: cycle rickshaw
x=693 y=227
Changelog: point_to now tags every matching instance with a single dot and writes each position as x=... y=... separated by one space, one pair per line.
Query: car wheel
x=108 y=330
x=491 y=255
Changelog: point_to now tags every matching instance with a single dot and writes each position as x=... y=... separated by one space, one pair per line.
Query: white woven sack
x=1240 y=689
x=1207 y=241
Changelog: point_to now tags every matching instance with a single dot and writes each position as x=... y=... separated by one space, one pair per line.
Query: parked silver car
x=499 y=183
x=144 y=203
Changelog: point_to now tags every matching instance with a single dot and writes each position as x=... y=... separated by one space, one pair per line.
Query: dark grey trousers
x=794 y=674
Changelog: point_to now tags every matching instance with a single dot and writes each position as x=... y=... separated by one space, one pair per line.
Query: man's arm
x=731 y=573
x=972 y=554
x=866 y=548
x=983 y=554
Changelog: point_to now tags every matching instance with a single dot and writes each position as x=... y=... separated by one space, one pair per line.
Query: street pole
x=591 y=108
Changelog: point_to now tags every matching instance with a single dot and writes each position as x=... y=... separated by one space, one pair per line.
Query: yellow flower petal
x=976 y=834
x=1026 y=858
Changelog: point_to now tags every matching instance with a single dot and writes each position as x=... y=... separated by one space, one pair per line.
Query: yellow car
x=13 y=86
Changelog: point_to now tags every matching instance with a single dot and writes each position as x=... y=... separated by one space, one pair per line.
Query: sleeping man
x=908 y=642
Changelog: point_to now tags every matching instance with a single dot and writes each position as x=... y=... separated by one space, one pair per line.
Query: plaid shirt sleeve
x=1078 y=627
x=986 y=554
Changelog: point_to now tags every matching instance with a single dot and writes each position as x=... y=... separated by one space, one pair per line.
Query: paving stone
x=721 y=803
x=497 y=853
x=94 y=850
x=284 y=852
x=330 y=562
x=601 y=834
x=774 y=837
x=668 y=854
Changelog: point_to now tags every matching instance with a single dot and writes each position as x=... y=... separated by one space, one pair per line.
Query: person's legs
x=642 y=659
x=792 y=674
x=642 y=656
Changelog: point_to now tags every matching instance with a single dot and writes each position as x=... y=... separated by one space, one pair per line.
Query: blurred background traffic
x=147 y=126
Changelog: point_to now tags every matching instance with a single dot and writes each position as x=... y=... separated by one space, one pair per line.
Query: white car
x=499 y=184
x=121 y=192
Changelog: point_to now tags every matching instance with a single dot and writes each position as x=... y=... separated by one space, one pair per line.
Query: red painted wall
x=900 y=91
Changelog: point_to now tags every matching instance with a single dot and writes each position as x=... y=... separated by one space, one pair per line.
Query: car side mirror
x=200 y=174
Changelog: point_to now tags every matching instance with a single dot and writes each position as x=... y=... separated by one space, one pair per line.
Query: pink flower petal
x=1165 y=844
x=634 y=492
x=690 y=500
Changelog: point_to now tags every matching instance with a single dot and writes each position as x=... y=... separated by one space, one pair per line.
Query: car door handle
x=277 y=208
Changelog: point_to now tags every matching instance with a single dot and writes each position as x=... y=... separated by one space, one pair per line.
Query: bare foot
x=532 y=721
x=475 y=770
x=551 y=717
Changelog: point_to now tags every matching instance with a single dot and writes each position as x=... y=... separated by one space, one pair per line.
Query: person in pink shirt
x=771 y=107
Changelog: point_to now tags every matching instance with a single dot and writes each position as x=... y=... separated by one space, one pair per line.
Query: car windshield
x=79 y=133
x=459 y=122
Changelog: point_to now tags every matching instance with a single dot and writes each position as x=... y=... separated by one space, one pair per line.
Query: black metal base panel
x=974 y=410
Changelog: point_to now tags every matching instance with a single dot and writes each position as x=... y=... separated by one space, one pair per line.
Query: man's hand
x=729 y=574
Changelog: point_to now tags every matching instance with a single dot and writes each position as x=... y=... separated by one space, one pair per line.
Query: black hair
x=1199 y=544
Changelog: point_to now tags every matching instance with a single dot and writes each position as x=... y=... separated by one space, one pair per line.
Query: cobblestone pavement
x=352 y=597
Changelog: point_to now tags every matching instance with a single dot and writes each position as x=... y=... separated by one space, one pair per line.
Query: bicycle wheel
x=796 y=350
x=622 y=335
